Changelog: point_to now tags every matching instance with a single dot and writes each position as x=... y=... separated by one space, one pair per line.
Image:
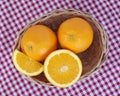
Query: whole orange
x=38 y=41
x=75 y=34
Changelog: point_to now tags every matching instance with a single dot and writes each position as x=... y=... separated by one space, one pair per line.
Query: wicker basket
x=92 y=58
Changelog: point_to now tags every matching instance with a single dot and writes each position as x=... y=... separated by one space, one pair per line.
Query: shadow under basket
x=92 y=58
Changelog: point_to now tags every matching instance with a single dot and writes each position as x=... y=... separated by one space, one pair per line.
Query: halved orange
x=25 y=64
x=62 y=68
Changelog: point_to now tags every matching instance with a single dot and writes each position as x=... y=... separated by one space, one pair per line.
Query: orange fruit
x=75 y=34
x=62 y=68
x=26 y=65
x=38 y=41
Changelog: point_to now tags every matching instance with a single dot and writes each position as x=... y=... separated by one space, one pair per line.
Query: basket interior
x=91 y=56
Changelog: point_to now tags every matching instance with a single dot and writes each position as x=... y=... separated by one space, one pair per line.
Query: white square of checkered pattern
x=16 y=15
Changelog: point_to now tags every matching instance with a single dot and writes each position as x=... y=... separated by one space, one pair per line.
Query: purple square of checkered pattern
x=15 y=15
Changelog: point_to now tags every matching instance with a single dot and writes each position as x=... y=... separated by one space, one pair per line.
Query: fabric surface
x=16 y=14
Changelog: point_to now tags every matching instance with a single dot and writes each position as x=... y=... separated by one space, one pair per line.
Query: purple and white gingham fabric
x=16 y=14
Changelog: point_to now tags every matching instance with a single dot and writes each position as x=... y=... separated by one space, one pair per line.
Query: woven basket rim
x=61 y=11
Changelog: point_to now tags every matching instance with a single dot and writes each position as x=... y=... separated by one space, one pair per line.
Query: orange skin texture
x=75 y=34
x=38 y=41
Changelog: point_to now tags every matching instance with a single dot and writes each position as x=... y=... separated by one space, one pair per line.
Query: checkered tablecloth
x=16 y=14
